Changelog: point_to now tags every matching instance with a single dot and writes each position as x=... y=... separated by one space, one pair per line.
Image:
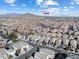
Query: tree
x=33 y=54
x=10 y=57
x=7 y=32
x=17 y=52
x=13 y=36
x=38 y=49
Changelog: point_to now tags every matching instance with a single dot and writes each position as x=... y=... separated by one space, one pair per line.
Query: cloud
x=39 y=2
x=75 y=14
x=30 y=1
x=9 y=1
x=57 y=11
x=50 y=2
x=65 y=7
x=13 y=5
x=76 y=1
x=33 y=9
x=72 y=3
x=43 y=6
x=52 y=10
x=17 y=8
x=23 y=5
x=65 y=10
x=71 y=7
x=47 y=2
x=3 y=11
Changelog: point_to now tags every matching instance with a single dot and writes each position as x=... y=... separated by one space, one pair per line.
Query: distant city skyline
x=41 y=7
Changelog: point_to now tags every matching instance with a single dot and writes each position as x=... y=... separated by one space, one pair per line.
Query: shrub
x=10 y=57
x=13 y=36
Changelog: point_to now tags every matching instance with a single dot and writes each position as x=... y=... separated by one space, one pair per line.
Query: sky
x=41 y=7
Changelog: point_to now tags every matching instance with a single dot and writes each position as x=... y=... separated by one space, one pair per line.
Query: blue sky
x=40 y=7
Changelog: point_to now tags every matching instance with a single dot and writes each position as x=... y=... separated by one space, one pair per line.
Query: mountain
x=11 y=14
x=62 y=18
x=8 y=15
x=20 y=16
x=29 y=16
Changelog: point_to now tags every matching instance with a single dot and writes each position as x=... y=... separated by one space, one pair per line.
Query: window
x=25 y=49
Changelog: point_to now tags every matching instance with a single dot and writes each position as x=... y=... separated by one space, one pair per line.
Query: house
x=65 y=43
x=58 y=42
x=75 y=28
x=2 y=41
x=73 y=44
x=2 y=44
x=3 y=54
x=18 y=48
x=76 y=33
x=8 y=41
x=47 y=39
x=33 y=57
x=71 y=37
x=65 y=36
x=43 y=54
x=20 y=37
x=70 y=32
x=36 y=38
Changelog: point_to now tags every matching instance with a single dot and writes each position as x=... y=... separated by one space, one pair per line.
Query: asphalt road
x=28 y=54
x=52 y=48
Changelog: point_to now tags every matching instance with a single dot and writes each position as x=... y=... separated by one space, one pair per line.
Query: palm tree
x=17 y=52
